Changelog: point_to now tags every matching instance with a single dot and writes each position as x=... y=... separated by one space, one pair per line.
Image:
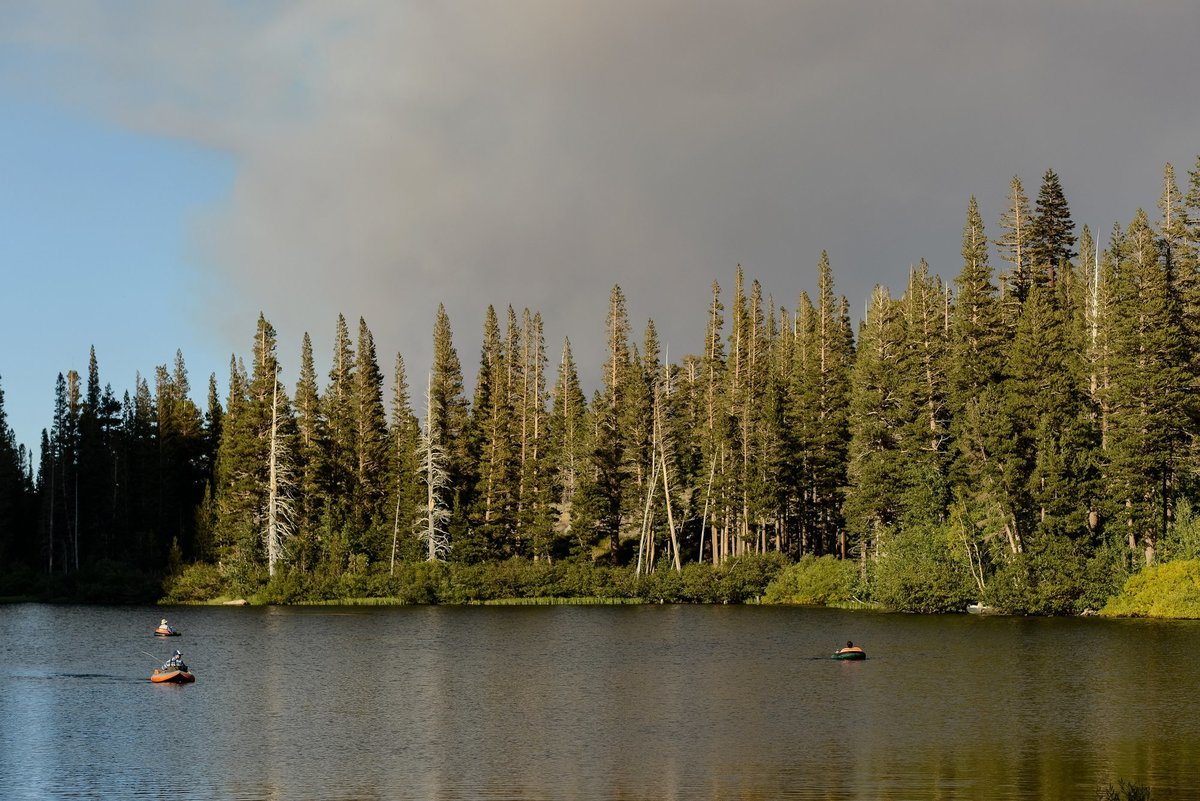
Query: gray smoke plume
x=391 y=155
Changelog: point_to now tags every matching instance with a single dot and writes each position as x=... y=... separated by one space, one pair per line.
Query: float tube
x=171 y=677
x=850 y=653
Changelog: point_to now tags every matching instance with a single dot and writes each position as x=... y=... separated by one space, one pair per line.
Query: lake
x=649 y=702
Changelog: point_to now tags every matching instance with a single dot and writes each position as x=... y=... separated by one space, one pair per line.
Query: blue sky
x=96 y=251
x=170 y=169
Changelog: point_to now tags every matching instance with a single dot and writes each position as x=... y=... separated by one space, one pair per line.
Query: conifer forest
x=1023 y=434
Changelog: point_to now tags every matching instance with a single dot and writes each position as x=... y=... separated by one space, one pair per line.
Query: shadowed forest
x=1022 y=435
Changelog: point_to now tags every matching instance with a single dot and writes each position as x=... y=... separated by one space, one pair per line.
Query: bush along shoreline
x=1169 y=590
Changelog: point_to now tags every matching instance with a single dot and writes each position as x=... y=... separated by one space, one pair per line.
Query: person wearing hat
x=163 y=628
x=175 y=662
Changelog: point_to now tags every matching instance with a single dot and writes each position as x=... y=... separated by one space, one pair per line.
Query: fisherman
x=175 y=662
x=163 y=628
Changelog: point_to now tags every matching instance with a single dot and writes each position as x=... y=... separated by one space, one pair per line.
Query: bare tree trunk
x=704 y=517
x=643 y=547
x=436 y=515
x=395 y=533
x=670 y=514
x=279 y=510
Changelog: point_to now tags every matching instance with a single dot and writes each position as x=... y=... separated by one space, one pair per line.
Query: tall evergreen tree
x=926 y=437
x=713 y=431
x=312 y=467
x=492 y=444
x=340 y=415
x=833 y=359
x=255 y=462
x=1148 y=395
x=16 y=527
x=982 y=443
x=1051 y=231
x=371 y=449
x=606 y=478
x=405 y=467
x=874 y=459
x=1014 y=246
x=536 y=492
x=450 y=415
x=568 y=447
x=180 y=459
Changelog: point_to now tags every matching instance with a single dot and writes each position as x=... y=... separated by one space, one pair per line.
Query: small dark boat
x=853 y=652
x=172 y=677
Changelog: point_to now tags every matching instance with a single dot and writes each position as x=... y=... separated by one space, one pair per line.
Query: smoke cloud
x=390 y=156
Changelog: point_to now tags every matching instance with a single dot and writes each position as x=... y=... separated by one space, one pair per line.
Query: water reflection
x=593 y=703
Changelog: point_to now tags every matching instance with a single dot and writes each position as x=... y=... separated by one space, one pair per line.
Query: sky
x=169 y=170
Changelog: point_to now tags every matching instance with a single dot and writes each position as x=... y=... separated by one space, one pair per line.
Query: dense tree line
x=1026 y=436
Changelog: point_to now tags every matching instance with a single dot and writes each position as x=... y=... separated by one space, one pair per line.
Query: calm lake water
x=552 y=703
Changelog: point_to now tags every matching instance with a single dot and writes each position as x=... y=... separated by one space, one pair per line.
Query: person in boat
x=175 y=662
x=164 y=628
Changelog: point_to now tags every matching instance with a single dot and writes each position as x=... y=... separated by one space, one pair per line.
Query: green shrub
x=1104 y=573
x=290 y=587
x=194 y=584
x=919 y=570
x=747 y=576
x=1046 y=579
x=814 y=580
x=1164 y=590
x=699 y=584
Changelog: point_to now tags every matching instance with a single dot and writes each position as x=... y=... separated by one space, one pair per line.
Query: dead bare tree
x=280 y=485
x=432 y=528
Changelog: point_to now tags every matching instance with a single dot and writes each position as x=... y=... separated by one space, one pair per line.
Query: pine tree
x=1051 y=231
x=492 y=444
x=341 y=457
x=137 y=503
x=1046 y=402
x=371 y=448
x=874 y=459
x=713 y=428
x=771 y=481
x=96 y=489
x=974 y=399
x=608 y=474
x=405 y=467
x=59 y=493
x=180 y=450
x=255 y=488
x=926 y=437
x=214 y=416
x=977 y=333
x=450 y=420
x=567 y=445
x=536 y=492
x=1148 y=394
x=15 y=524
x=1014 y=246
x=833 y=360
x=311 y=469
x=803 y=410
